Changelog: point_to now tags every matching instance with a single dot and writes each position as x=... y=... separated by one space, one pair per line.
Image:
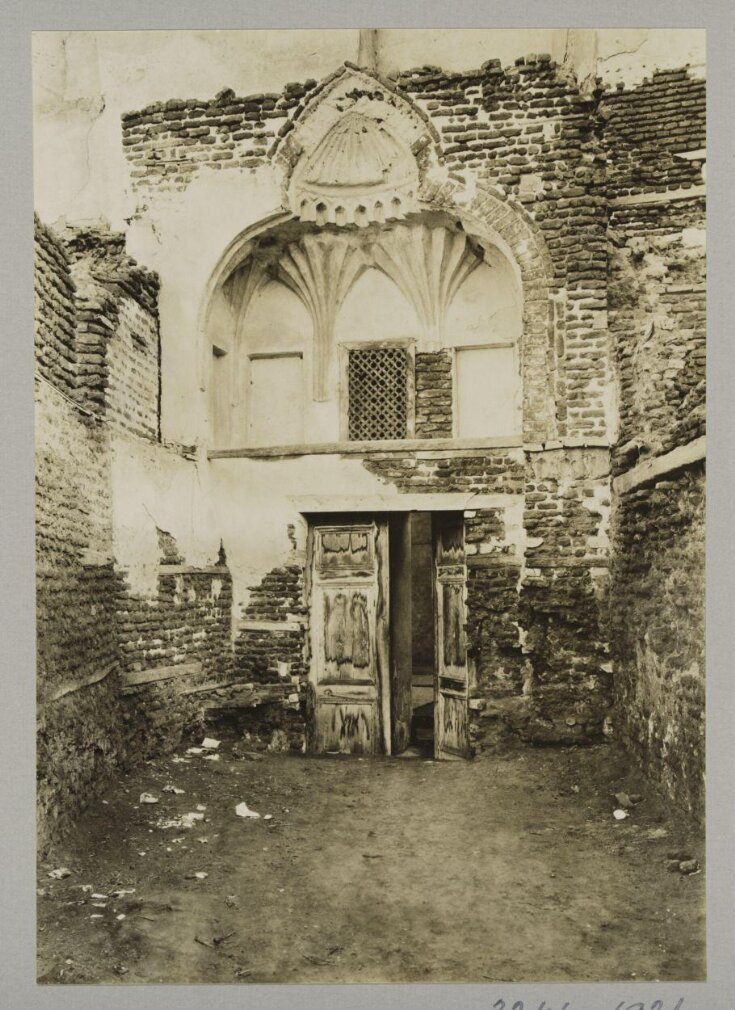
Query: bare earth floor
x=508 y=868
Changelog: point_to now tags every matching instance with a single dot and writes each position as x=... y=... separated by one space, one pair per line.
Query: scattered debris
x=97 y=915
x=243 y=972
x=120 y=969
x=184 y=821
x=120 y=917
x=60 y=874
x=216 y=940
x=268 y=817
x=242 y=810
x=199 y=875
x=209 y=744
x=232 y=901
x=194 y=750
x=123 y=891
x=173 y=789
x=86 y=888
x=688 y=866
x=575 y=789
x=147 y=798
x=211 y=757
x=315 y=960
x=623 y=800
x=200 y=806
x=620 y=815
x=100 y=897
x=658 y=833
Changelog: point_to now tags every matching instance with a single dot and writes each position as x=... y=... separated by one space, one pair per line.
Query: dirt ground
x=507 y=868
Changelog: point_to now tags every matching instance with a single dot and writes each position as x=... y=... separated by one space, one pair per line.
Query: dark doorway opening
x=412 y=632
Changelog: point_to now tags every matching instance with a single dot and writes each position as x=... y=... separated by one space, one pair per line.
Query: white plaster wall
x=155 y=487
x=254 y=511
x=464 y=48
x=487 y=308
x=183 y=237
x=630 y=54
x=84 y=81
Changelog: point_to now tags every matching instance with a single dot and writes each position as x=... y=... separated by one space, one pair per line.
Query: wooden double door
x=361 y=671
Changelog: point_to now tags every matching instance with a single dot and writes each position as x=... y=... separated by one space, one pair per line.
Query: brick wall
x=80 y=739
x=118 y=347
x=55 y=320
x=658 y=324
x=278 y=598
x=434 y=395
x=97 y=378
x=645 y=127
x=498 y=472
x=657 y=628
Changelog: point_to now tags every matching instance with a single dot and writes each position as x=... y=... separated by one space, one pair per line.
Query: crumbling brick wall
x=118 y=346
x=657 y=629
x=93 y=307
x=182 y=634
x=80 y=737
x=277 y=599
x=657 y=321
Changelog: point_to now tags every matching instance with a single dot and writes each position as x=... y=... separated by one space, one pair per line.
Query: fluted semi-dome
x=359 y=172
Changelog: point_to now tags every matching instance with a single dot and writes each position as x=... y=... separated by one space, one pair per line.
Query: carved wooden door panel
x=349 y=645
x=451 y=717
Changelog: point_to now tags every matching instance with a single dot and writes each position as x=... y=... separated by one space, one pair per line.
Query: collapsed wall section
x=80 y=734
x=119 y=673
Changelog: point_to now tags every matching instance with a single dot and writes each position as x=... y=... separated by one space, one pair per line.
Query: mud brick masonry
x=172 y=573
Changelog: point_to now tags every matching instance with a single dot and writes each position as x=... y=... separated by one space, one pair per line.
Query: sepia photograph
x=370 y=505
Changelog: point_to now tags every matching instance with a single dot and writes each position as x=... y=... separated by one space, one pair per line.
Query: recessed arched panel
x=488 y=306
x=275 y=320
x=373 y=310
x=484 y=326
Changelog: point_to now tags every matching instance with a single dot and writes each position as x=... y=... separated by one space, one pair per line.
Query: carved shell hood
x=358 y=173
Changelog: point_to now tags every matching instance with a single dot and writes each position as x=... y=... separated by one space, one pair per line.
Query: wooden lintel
x=276 y=626
x=493 y=561
x=662 y=196
x=135 y=678
x=401 y=445
x=76 y=685
x=192 y=570
x=212 y=685
x=451 y=501
x=658 y=466
x=425 y=448
x=586 y=562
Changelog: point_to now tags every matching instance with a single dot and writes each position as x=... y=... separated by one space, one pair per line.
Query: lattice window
x=378 y=393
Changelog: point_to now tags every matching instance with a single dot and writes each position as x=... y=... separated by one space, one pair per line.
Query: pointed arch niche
x=301 y=299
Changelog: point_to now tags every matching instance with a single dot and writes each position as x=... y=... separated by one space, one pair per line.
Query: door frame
x=381 y=517
x=359 y=692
